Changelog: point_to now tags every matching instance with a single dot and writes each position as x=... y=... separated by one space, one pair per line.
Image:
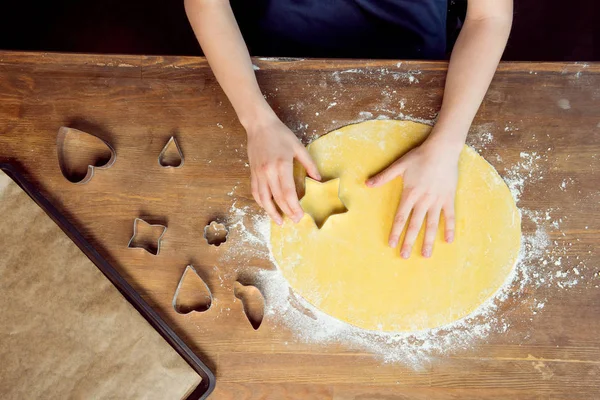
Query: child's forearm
x=219 y=36
x=472 y=65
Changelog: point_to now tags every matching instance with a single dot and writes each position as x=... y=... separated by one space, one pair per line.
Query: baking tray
x=207 y=385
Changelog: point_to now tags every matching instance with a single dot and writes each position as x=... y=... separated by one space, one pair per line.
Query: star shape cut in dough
x=321 y=200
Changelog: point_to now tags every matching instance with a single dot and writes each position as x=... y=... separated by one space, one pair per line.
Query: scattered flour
x=409 y=76
x=525 y=171
x=564 y=104
x=481 y=136
x=542 y=263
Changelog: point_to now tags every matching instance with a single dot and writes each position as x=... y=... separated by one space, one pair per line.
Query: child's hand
x=272 y=148
x=430 y=174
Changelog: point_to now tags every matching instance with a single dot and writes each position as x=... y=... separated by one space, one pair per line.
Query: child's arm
x=272 y=147
x=430 y=172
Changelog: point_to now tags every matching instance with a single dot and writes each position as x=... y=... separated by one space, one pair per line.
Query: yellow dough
x=347 y=269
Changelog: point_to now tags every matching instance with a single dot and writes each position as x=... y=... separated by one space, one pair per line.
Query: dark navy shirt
x=408 y=29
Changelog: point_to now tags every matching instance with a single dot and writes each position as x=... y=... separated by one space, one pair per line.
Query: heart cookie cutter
x=162 y=157
x=74 y=137
x=205 y=306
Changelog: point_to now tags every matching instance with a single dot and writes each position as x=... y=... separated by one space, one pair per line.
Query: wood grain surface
x=137 y=103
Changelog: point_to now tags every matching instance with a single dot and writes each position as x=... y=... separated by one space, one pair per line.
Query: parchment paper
x=65 y=331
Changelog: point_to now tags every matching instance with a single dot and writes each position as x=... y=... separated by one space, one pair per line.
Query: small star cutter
x=341 y=210
x=131 y=245
x=161 y=157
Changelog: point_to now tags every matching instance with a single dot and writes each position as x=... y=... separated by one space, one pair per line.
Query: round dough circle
x=346 y=268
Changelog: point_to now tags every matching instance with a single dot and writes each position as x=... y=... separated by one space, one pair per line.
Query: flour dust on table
x=541 y=263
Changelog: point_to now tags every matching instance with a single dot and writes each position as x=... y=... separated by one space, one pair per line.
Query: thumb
x=307 y=162
x=390 y=173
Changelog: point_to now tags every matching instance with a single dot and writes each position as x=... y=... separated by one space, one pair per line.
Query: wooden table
x=137 y=103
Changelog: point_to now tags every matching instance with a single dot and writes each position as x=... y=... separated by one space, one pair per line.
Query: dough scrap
x=346 y=268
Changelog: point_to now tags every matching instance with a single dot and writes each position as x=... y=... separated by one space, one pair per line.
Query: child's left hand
x=430 y=174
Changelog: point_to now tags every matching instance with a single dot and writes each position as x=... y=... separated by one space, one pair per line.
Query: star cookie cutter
x=339 y=209
x=145 y=246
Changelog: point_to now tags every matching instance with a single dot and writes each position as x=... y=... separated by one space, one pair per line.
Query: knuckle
x=281 y=163
x=278 y=199
x=289 y=194
x=428 y=197
x=413 y=228
x=264 y=197
x=411 y=193
x=400 y=219
x=264 y=167
x=432 y=226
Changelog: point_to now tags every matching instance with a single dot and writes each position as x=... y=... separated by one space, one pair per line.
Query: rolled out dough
x=347 y=269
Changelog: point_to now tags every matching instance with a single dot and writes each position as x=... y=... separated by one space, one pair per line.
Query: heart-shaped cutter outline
x=190 y=269
x=171 y=141
x=63 y=131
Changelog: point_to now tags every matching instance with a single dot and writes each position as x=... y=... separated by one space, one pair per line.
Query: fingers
x=433 y=220
x=407 y=201
x=450 y=221
x=272 y=177
x=289 y=195
x=266 y=200
x=387 y=175
x=416 y=220
x=307 y=162
x=421 y=208
x=254 y=186
x=285 y=193
x=277 y=183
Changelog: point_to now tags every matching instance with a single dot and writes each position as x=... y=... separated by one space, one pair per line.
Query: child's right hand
x=272 y=147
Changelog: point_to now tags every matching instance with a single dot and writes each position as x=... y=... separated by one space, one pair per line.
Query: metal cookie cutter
x=168 y=158
x=253 y=302
x=201 y=307
x=150 y=249
x=216 y=233
x=86 y=144
x=331 y=186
